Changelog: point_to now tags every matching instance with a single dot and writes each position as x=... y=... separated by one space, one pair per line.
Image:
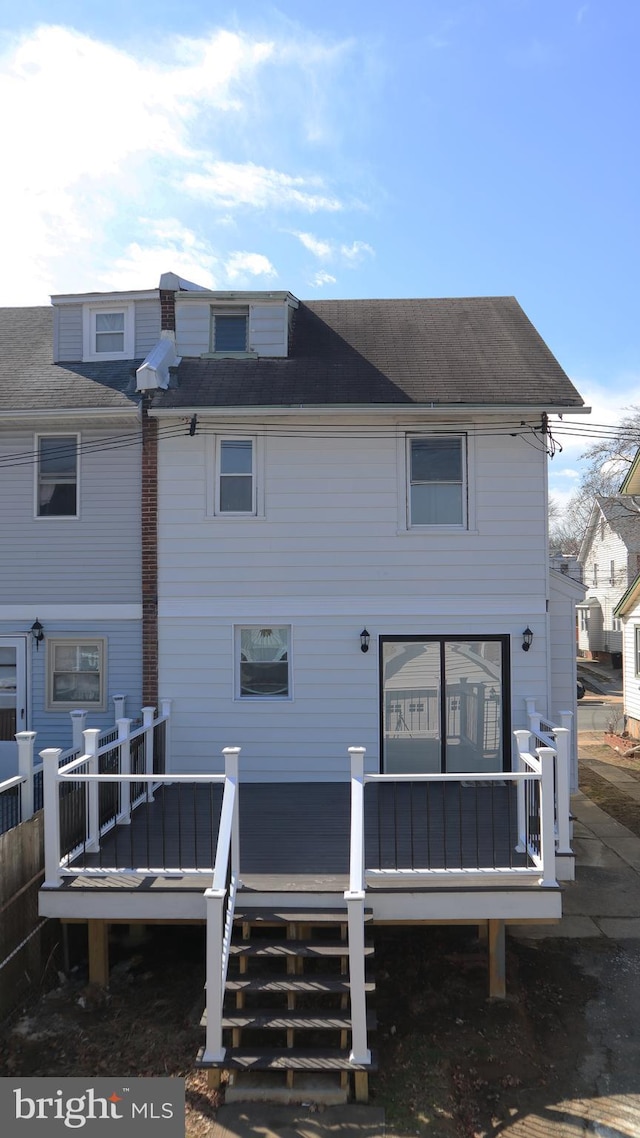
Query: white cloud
x=322 y=278
x=356 y=251
x=241 y=265
x=315 y=245
x=229 y=185
x=326 y=250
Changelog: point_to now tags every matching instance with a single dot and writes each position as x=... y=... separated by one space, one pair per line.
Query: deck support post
x=563 y=786
x=25 y=741
x=360 y=1053
x=214 y=1052
x=497 y=960
x=91 y=736
x=78 y=724
x=361 y=1086
x=50 y=759
x=124 y=732
x=98 y=944
x=231 y=770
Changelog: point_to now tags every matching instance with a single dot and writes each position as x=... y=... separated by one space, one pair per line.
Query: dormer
x=236 y=325
x=102 y=327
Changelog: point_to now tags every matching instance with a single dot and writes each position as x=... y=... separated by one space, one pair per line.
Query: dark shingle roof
x=463 y=350
x=623 y=516
x=30 y=381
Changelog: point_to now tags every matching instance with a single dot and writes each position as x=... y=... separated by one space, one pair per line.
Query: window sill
x=438 y=531
x=229 y=356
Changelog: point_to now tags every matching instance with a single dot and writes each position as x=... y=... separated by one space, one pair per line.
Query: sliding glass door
x=445 y=704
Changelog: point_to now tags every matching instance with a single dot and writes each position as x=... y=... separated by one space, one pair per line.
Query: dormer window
x=108 y=332
x=229 y=330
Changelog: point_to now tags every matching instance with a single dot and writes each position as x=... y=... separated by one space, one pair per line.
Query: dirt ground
x=452 y=1063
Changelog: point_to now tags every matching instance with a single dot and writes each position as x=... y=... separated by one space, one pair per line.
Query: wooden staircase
x=287 y=1008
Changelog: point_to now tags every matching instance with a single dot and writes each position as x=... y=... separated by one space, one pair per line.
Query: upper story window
x=108 y=332
x=236 y=483
x=229 y=330
x=595 y=575
x=436 y=481
x=57 y=476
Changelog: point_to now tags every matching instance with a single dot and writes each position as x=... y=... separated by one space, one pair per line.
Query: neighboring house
x=346 y=529
x=610 y=559
x=627 y=611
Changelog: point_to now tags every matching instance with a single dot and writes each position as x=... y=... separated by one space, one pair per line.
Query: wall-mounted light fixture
x=37 y=631
x=527 y=639
x=364 y=640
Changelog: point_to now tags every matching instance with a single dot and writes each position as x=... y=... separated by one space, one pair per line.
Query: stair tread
x=323 y=1019
x=318 y=984
x=289 y=1059
x=288 y=948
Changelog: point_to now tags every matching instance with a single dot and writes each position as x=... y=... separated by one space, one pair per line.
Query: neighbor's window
x=236 y=483
x=584 y=620
x=264 y=660
x=595 y=575
x=57 y=478
x=436 y=481
x=75 y=674
x=229 y=330
x=108 y=332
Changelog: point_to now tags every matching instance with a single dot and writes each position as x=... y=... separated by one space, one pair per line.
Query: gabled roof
x=30 y=381
x=631 y=484
x=622 y=515
x=628 y=600
x=478 y=351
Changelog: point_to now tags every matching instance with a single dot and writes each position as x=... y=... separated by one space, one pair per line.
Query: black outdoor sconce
x=37 y=631
x=527 y=639
x=364 y=640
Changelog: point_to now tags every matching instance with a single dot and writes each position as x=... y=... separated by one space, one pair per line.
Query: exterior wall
x=329 y=557
x=601 y=636
x=562 y=601
x=268 y=328
x=631 y=678
x=147 y=330
x=93 y=558
x=69 y=321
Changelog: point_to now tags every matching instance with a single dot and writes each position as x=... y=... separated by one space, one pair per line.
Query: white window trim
x=237 y=697
x=403 y=462
x=89 y=313
x=36 y=478
x=238 y=310
x=212 y=474
x=57 y=705
x=636 y=649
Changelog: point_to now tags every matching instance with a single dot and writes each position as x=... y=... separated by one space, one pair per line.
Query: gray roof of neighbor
x=30 y=381
x=463 y=350
x=623 y=516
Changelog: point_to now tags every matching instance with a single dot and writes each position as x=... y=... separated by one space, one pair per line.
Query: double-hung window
x=108 y=332
x=436 y=481
x=229 y=330
x=57 y=476
x=263 y=662
x=75 y=674
x=235 y=478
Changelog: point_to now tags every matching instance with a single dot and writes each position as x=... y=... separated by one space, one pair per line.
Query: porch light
x=364 y=640
x=37 y=631
x=527 y=639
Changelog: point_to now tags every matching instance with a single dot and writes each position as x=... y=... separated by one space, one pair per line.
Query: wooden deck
x=295 y=836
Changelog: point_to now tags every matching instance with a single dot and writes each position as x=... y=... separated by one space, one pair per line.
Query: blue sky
x=422 y=148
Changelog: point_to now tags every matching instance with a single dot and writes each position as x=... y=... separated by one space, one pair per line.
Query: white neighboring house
x=354 y=599
x=627 y=611
x=610 y=558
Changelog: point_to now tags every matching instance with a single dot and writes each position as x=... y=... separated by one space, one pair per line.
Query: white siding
x=69 y=318
x=193 y=323
x=631 y=679
x=329 y=557
x=268 y=329
x=93 y=558
x=147 y=326
x=606 y=548
x=563 y=675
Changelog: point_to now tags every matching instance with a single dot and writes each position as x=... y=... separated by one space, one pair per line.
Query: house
x=367 y=667
x=610 y=558
x=627 y=613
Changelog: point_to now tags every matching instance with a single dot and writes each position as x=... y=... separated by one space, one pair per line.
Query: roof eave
x=400 y=409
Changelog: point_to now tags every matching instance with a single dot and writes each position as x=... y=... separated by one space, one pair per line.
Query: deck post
x=532 y=715
x=165 y=711
x=563 y=803
x=50 y=759
x=214 y=1052
x=91 y=736
x=497 y=960
x=25 y=741
x=231 y=770
x=124 y=733
x=147 y=722
x=360 y=1053
x=547 y=819
x=523 y=743
x=78 y=724
x=98 y=946
x=118 y=707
